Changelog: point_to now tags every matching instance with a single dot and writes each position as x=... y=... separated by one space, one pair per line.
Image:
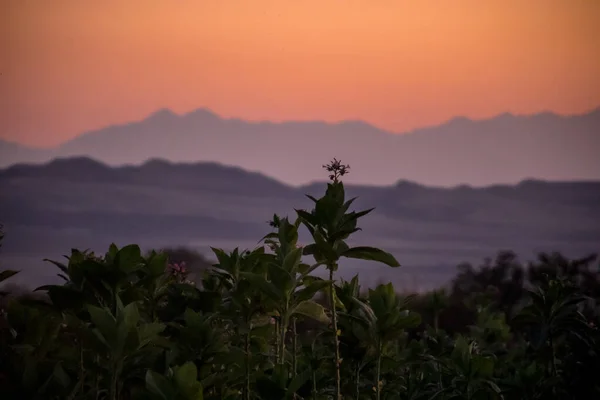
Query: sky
x=67 y=67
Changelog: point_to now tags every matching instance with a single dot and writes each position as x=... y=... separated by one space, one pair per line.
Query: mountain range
x=504 y=149
x=79 y=202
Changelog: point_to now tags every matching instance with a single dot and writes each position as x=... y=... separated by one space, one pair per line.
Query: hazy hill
x=82 y=203
x=504 y=149
x=11 y=153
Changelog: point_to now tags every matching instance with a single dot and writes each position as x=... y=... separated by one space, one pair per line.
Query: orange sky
x=71 y=66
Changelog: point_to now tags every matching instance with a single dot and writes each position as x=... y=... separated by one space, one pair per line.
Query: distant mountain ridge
x=504 y=149
x=78 y=202
x=89 y=169
x=156 y=172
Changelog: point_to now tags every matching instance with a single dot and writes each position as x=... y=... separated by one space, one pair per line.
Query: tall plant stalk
x=247 y=381
x=295 y=348
x=113 y=395
x=338 y=380
x=331 y=224
x=357 y=377
x=314 y=385
x=277 y=339
x=81 y=367
x=282 y=332
x=378 y=372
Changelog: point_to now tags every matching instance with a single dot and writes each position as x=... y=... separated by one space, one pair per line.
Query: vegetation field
x=276 y=322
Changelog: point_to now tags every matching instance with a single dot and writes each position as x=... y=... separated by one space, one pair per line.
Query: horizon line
x=208 y=110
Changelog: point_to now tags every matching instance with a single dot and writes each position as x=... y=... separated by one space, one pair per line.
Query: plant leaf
x=159 y=385
x=105 y=323
x=264 y=285
x=4 y=275
x=157 y=264
x=312 y=310
x=309 y=291
x=186 y=376
x=371 y=254
x=128 y=259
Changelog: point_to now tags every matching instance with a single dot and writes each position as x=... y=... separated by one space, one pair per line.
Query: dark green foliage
x=258 y=325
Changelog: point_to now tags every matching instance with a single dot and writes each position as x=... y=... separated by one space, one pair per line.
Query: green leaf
x=306 y=269
x=159 y=385
x=348 y=203
x=280 y=277
x=326 y=210
x=287 y=233
x=335 y=191
x=307 y=220
x=186 y=376
x=61 y=376
x=93 y=267
x=310 y=290
x=222 y=257
x=130 y=315
x=371 y=254
x=461 y=354
x=269 y=237
x=412 y=320
x=128 y=259
x=157 y=264
x=292 y=260
x=312 y=198
x=59 y=265
x=64 y=297
x=493 y=386
x=484 y=366
x=149 y=332
x=353 y=216
x=106 y=324
x=312 y=310
x=310 y=250
x=268 y=389
x=4 y=275
x=263 y=285
x=297 y=382
x=324 y=248
x=343 y=234
x=112 y=253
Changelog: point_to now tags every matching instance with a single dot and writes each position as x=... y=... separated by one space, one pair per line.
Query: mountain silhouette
x=79 y=202
x=504 y=149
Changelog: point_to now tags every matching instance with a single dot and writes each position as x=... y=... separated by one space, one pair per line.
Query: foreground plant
x=4 y=274
x=331 y=225
x=287 y=281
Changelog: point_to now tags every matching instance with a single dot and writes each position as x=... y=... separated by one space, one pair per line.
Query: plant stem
x=247 y=388
x=378 y=372
x=294 y=345
x=282 y=332
x=97 y=380
x=81 y=367
x=314 y=379
x=277 y=338
x=357 y=381
x=338 y=394
x=552 y=354
x=113 y=382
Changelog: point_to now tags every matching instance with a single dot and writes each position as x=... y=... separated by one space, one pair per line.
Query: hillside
x=82 y=203
x=504 y=149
